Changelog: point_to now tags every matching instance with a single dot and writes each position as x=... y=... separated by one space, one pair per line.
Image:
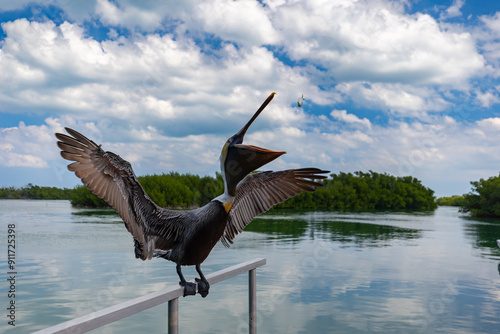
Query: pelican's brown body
x=206 y=226
x=187 y=237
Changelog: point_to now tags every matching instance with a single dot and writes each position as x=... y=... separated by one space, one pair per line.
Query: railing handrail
x=125 y=309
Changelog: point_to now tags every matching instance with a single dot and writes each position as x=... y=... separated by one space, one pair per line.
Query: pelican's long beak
x=239 y=160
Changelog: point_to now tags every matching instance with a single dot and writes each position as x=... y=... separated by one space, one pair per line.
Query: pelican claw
x=189 y=288
x=203 y=287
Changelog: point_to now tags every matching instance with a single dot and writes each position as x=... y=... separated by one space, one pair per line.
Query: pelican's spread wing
x=258 y=192
x=111 y=178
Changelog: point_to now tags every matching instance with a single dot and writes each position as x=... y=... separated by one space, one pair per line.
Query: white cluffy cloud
x=377 y=41
x=443 y=153
x=25 y=146
x=131 y=16
x=143 y=80
x=343 y=116
x=454 y=10
x=186 y=75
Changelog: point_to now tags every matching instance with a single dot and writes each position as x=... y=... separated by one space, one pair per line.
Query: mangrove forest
x=484 y=198
x=342 y=191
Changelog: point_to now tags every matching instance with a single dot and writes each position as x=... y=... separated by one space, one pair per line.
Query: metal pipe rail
x=171 y=295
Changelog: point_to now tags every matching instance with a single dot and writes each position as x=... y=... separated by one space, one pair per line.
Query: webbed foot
x=203 y=287
x=189 y=288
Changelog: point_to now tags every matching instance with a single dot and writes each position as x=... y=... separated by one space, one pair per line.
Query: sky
x=397 y=87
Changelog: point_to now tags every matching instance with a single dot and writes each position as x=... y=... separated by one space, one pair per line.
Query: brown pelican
x=187 y=237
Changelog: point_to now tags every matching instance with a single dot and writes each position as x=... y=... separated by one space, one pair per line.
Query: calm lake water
x=326 y=272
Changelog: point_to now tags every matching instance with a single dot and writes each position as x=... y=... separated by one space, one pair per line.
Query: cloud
x=377 y=42
x=172 y=81
x=25 y=146
x=374 y=44
x=55 y=55
x=343 y=116
x=487 y=36
x=129 y=16
x=488 y=125
x=144 y=80
x=492 y=22
x=11 y=159
x=488 y=98
x=399 y=99
x=442 y=153
x=244 y=22
x=445 y=154
x=453 y=11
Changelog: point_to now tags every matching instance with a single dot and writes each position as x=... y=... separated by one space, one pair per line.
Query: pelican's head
x=239 y=160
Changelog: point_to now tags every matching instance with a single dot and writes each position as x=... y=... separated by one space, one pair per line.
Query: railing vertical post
x=252 y=301
x=173 y=316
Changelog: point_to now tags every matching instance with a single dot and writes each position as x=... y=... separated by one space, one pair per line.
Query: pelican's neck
x=226 y=200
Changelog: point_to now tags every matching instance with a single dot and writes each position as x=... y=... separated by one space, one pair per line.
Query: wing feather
x=70 y=148
x=258 y=192
x=74 y=156
x=67 y=140
x=110 y=177
x=78 y=167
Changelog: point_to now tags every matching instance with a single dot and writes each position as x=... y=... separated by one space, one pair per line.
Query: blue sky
x=406 y=88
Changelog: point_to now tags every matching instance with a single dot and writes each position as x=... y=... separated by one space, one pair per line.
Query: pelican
x=186 y=237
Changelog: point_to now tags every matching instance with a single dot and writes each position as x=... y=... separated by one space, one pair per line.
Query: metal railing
x=171 y=295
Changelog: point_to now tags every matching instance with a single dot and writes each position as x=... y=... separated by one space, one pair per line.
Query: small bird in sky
x=300 y=101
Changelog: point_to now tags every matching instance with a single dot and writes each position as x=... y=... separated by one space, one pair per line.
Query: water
x=326 y=272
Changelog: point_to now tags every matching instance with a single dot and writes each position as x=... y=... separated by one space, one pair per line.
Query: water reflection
x=483 y=234
x=98 y=216
x=326 y=272
x=286 y=229
x=359 y=231
x=365 y=234
x=95 y=213
x=292 y=226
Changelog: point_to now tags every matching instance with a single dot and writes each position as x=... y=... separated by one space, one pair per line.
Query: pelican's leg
x=203 y=285
x=189 y=288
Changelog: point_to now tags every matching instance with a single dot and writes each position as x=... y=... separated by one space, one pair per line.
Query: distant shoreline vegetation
x=342 y=191
x=455 y=200
x=484 y=198
x=35 y=192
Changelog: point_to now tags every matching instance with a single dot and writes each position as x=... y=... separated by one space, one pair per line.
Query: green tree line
x=366 y=191
x=167 y=190
x=455 y=200
x=343 y=191
x=35 y=192
x=484 y=198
